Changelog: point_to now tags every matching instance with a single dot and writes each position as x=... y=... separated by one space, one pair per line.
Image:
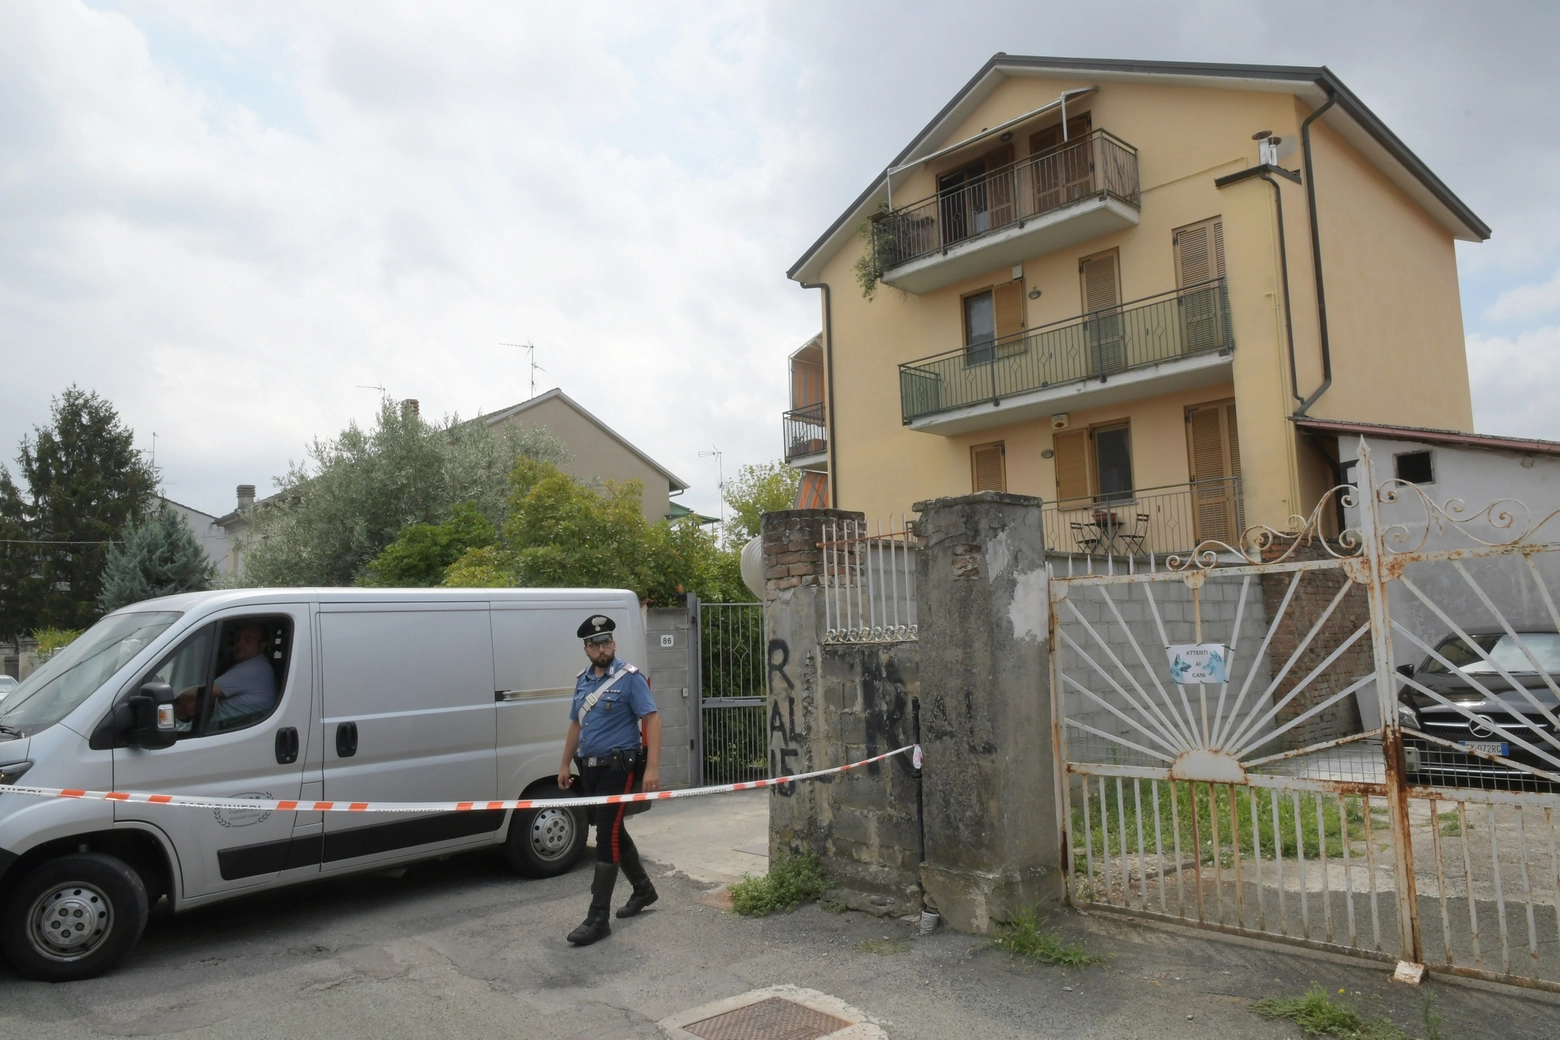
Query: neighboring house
x=208 y=531
x=1098 y=287
x=805 y=427
x=596 y=451
x=1454 y=490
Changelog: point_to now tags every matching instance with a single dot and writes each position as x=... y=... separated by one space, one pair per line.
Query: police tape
x=285 y=805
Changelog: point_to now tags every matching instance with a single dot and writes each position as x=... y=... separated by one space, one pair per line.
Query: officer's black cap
x=597 y=628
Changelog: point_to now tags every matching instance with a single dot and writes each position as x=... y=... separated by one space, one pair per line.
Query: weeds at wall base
x=1026 y=938
x=790 y=882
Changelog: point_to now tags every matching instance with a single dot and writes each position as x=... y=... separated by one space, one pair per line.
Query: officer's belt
x=624 y=758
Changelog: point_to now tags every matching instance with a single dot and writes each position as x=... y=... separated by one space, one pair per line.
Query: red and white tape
x=201 y=802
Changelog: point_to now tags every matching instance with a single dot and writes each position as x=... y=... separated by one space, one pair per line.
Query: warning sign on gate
x=1195 y=663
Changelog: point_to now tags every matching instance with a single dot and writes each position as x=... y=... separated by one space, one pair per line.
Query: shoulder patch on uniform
x=582 y=672
x=630 y=668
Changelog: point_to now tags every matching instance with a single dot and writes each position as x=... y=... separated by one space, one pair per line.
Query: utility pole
x=721 y=472
x=530 y=349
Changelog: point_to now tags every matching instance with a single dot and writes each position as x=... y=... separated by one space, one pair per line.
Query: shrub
x=1025 y=938
x=791 y=882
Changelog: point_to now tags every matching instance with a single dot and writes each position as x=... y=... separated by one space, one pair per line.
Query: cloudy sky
x=229 y=217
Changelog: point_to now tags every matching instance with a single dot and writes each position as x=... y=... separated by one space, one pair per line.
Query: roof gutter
x=830 y=428
x=1316 y=250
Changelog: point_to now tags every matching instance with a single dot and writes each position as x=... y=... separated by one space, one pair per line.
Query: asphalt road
x=461 y=948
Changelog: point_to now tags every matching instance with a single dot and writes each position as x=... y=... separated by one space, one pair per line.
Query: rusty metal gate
x=1348 y=744
x=732 y=740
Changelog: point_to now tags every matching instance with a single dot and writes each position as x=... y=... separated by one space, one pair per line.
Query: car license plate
x=1489 y=747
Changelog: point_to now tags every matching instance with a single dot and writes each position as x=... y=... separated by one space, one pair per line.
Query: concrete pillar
x=989 y=780
x=794 y=624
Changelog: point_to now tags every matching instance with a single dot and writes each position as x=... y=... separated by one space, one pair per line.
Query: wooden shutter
x=1100 y=287
x=1199 y=252
x=988 y=467
x=999 y=186
x=1072 y=464
x=1101 y=295
x=1213 y=446
x=1008 y=303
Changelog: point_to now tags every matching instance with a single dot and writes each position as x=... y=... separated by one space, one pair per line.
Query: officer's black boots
x=644 y=892
x=597 y=924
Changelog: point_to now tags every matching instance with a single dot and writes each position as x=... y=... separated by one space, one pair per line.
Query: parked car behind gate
x=1503 y=716
x=382 y=695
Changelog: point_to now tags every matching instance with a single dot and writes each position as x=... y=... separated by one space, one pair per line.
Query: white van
x=384 y=695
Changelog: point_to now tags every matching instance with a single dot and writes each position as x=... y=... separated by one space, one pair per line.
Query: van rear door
x=408 y=717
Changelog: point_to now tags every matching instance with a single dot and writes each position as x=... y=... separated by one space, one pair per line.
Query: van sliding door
x=408 y=716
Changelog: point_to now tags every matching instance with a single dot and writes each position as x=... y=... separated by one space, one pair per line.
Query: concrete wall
x=667 y=668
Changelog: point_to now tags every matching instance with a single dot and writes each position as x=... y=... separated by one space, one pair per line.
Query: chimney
x=410 y=407
x=246 y=496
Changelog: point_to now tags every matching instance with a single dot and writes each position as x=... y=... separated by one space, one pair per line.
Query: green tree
x=84 y=482
x=564 y=533
x=158 y=557
x=422 y=553
x=354 y=495
x=758 y=488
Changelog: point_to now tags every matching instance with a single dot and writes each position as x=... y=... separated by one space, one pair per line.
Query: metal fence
x=1151 y=522
x=1169 y=325
x=1196 y=786
x=732 y=745
x=805 y=432
x=869 y=582
x=1098 y=165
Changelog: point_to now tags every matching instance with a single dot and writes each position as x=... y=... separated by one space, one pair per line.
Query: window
x=1100 y=282
x=1414 y=467
x=228 y=675
x=988 y=467
x=1213 y=454
x=994 y=315
x=1199 y=262
x=1095 y=463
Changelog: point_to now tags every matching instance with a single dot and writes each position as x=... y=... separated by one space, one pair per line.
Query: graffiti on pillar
x=784 y=754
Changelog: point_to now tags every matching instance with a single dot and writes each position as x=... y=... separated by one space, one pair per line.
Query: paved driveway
x=463 y=949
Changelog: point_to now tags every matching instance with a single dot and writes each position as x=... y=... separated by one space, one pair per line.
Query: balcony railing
x=806 y=432
x=1152 y=521
x=1155 y=329
x=1097 y=165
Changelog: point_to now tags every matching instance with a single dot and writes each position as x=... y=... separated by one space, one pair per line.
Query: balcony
x=1172 y=341
x=1077 y=191
x=1157 y=521
x=806 y=437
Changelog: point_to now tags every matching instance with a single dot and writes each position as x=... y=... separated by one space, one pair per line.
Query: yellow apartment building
x=1113 y=285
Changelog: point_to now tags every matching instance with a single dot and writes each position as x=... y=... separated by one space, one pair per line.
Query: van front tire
x=73 y=917
x=545 y=842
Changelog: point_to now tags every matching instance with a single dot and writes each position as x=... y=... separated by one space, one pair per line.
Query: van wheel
x=545 y=842
x=72 y=917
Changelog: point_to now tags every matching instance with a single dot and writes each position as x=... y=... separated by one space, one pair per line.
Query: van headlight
x=10 y=772
x=1407 y=716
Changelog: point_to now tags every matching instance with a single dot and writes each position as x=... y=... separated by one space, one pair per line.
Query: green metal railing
x=1175 y=324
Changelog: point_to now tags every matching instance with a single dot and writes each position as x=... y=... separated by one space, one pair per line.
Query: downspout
x=830 y=427
x=1316 y=253
x=1283 y=266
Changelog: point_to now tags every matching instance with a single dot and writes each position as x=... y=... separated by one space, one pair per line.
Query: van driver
x=246 y=690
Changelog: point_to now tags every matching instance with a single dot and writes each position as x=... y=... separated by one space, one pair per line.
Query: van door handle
x=286 y=746
x=346 y=739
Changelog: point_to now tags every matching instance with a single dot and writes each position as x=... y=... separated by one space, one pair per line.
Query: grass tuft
x=1025 y=938
x=791 y=882
x=1320 y=1015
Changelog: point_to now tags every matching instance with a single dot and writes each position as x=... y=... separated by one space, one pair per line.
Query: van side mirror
x=152 y=710
x=1406 y=671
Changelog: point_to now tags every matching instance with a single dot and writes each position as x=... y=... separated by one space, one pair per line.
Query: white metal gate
x=1211 y=769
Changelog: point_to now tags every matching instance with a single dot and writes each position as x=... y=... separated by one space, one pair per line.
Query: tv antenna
x=530 y=349
x=721 y=472
x=372 y=386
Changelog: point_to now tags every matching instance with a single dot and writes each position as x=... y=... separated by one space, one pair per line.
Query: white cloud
x=1527 y=301
x=1515 y=391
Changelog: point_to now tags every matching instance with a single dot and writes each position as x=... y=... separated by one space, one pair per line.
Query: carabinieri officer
x=611 y=698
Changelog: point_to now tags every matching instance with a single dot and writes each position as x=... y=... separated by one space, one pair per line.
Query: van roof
x=218 y=598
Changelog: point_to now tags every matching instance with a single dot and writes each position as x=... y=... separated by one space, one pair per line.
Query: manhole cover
x=772 y=1019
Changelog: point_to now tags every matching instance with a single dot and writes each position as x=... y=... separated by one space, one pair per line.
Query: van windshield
x=75 y=671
